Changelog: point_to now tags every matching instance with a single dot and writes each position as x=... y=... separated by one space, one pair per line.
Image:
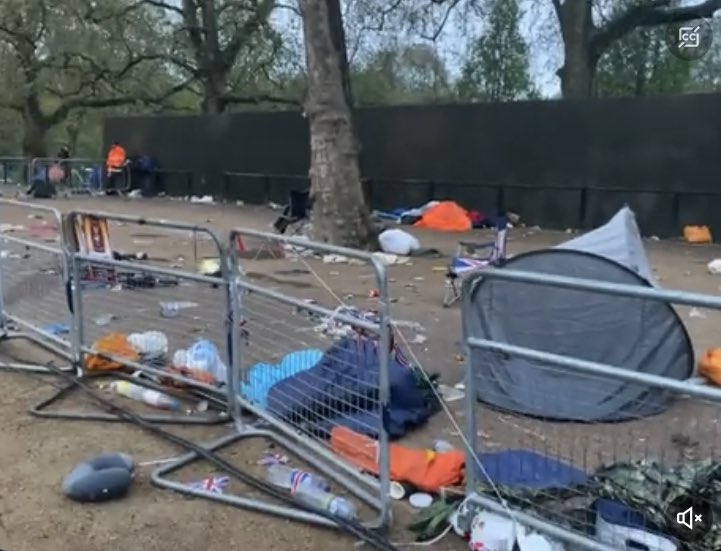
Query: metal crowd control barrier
x=74 y=175
x=33 y=278
x=281 y=339
x=162 y=319
x=14 y=170
x=640 y=463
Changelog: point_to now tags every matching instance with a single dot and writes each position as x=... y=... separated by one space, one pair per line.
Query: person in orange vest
x=115 y=164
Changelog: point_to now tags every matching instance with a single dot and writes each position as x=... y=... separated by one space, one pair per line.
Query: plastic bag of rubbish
x=396 y=241
x=714 y=267
x=151 y=344
x=202 y=356
x=493 y=532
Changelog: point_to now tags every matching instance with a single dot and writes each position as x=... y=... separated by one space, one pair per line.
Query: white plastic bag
x=714 y=267
x=202 y=356
x=151 y=344
x=492 y=532
x=396 y=241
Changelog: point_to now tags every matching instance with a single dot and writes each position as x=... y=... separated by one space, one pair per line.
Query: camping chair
x=91 y=236
x=467 y=261
x=295 y=214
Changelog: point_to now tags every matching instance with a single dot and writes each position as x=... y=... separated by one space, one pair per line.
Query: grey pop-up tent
x=636 y=334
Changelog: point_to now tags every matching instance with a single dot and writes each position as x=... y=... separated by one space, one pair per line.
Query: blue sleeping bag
x=262 y=376
x=528 y=469
x=342 y=390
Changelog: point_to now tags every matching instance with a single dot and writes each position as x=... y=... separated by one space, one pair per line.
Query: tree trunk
x=34 y=137
x=72 y=130
x=339 y=214
x=579 y=64
x=213 y=95
x=337 y=34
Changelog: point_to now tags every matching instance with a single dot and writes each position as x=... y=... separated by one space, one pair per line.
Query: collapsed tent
x=445 y=216
x=637 y=334
x=341 y=389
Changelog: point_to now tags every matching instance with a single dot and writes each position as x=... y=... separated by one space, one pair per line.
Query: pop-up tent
x=636 y=334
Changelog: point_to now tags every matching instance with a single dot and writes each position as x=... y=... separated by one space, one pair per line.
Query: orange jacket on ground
x=424 y=469
x=112 y=344
x=116 y=157
x=445 y=216
x=709 y=365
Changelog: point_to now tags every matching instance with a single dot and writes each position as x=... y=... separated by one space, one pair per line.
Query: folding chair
x=295 y=213
x=467 y=260
x=91 y=236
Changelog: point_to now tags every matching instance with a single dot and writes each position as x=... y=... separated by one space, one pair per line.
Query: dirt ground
x=35 y=454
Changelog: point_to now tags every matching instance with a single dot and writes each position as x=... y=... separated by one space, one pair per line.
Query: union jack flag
x=212 y=484
x=463 y=264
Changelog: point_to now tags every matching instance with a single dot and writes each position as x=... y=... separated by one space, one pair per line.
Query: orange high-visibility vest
x=116 y=158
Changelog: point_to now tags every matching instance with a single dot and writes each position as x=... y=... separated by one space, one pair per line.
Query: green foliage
x=640 y=64
x=497 y=65
x=410 y=74
x=430 y=522
x=706 y=72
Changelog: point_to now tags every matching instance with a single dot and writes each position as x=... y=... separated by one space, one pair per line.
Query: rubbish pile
x=446 y=216
x=115 y=351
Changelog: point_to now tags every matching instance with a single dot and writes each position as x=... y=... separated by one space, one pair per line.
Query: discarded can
x=442 y=446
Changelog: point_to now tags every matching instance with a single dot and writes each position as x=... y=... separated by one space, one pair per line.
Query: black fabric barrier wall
x=557 y=163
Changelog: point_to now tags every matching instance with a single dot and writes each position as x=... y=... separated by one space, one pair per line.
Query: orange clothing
x=116 y=158
x=427 y=470
x=709 y=365
x=112 y=344
x=445 y=216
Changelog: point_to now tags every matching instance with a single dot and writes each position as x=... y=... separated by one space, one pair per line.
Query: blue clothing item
x=145 y=163
x=95 y=179
x=342 y=389
x=262 y=376
x=528 y=469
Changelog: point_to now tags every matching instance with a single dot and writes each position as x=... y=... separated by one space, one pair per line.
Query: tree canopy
x=71 y=63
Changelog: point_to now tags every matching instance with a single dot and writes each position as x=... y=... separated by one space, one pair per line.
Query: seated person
x=298 y=208
x=115 y=165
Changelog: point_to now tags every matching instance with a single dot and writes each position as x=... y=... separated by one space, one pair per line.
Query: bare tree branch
x=652 y=14
x=261 y=12
x=439 y=29
x=164 y=5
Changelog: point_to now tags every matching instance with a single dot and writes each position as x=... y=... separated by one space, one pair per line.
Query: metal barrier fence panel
x=73 y=176
x=139 y=304
x=13 y=170
x=33 y=277
x=586 y=481
x=307 y=365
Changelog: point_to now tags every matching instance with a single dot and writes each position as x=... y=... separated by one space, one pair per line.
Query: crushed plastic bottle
x=326 y=501
x=145 y=395
x=311 y=490
x=292 y=479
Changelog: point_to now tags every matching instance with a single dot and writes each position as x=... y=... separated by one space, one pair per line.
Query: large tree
x=225 y=47
x=407 y=74
x=339 y=215
x=497 y=68
x=585 y=40
x=641 y=64
x=587 y=33
x=59 y=57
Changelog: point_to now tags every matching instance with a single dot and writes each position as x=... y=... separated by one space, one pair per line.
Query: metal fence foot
x=38 y=369
x=213 y=417
x=158 y=478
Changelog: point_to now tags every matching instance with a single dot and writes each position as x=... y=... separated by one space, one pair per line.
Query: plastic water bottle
x=327 y=501
x=145 y=395
x=293 y=479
